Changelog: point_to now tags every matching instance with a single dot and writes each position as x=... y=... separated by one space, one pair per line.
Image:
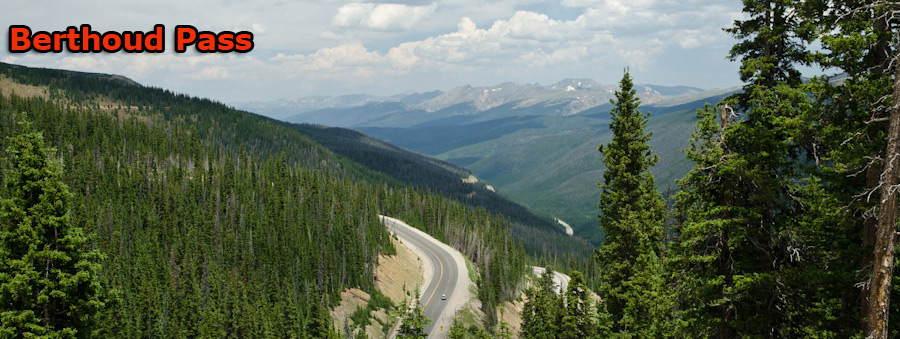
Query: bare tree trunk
x=725 y=261
x=885 y=241
x=870 y=224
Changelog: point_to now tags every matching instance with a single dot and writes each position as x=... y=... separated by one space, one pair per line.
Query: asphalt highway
x=443 y=280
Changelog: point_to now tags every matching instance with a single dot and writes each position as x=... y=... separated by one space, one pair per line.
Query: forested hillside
x=550 y=163
x=215 y=222
x=786 y=224
x=358 y=155
x=199 y=242
x=421 y=171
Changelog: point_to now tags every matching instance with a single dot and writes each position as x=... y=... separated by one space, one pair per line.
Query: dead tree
x=885 y=234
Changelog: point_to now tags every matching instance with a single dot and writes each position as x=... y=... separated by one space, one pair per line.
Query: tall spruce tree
x=700 y=259
x=579 y=320
x=771 y=43
x=631 y=215
x=859 y=123
x=739 y=258
x=541 y=313
x=846 y=130
x=48 y=274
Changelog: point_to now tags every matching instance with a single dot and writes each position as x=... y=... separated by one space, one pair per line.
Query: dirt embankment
x=395 y=276
x=512 y=314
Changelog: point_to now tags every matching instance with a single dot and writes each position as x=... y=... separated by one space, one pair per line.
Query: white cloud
x=540 y=58
x=328 y=47
x=694 y=38
x=382 y=17
x=523 y=36
x=531 y=25
x=351 y=62
x=258 y=28
x=348 y=55
x=211 y=73
x=87 y=63
x=611 y=32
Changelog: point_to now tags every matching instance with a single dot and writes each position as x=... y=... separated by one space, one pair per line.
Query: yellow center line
x=441 y=263
x=440 y=280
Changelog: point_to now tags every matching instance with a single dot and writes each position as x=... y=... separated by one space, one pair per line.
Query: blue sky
x=340 y=47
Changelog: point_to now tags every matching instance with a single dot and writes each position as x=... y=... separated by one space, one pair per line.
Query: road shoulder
x=461 y=292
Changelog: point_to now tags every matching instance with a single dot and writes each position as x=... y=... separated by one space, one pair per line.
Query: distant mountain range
x=571 y=95
x=535 y=144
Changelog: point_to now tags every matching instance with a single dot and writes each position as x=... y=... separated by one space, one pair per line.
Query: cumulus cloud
x=526 y=36
x=343 y=56
x=351 y=62
x=383 y=17
x=660 y=17
x=526 y=39
x=189 y=66
x=386 y=46
x=610 y=32
x=536 y=26
x=211 y=73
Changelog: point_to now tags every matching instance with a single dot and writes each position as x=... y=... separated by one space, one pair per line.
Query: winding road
x=445 y=274
x=560 y=279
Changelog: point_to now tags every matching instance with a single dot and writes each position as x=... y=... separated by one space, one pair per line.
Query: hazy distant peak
x=483 y=98
x=417 y=98
x=575 y=84
x=568 y=96
x=667 y=90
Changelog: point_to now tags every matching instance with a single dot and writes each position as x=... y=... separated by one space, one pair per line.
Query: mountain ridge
x=347 y=151
x=580 y=94
x=535 y=144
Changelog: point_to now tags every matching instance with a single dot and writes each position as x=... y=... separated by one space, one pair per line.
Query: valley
x=537 y=145
x=216 y=222
x=417 y=169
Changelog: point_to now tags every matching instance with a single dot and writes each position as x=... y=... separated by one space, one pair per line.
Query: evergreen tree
x=541 y=313
x=604 y=321
x=771 y=43
x=318 y=323
x=579 y=320
x=741 y=263
x=704 y=272
x=631 y=215
x=457 y=330
x=503 y=331
x=846 y=132
x=414 y=322
x=741 y=237
x=859 y=121
x=49 y=284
